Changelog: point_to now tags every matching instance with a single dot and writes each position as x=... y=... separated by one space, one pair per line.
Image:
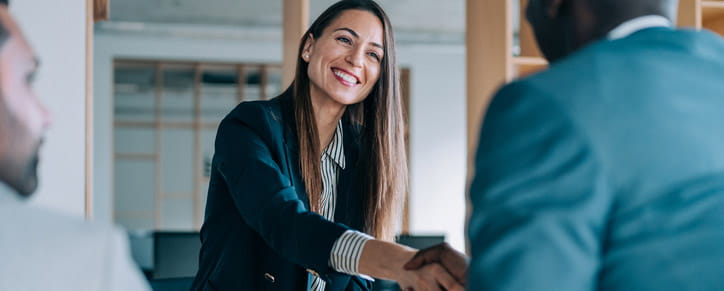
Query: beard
x=29 y=176
x=19 y=153
x=21 y=174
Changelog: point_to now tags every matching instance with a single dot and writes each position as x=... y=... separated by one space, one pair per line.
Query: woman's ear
x=308 y=48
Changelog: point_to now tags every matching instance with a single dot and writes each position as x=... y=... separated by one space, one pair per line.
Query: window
x=165 y=120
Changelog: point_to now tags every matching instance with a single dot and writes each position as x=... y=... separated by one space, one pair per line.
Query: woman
x=297 y=181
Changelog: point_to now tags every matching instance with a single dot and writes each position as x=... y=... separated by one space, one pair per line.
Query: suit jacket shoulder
x=44 y=250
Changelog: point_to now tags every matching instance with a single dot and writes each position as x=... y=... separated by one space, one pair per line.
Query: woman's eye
x=374 y=55
x=344 y=39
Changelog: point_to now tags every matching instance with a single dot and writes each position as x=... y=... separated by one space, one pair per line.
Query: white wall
x=437 y=116
x=437 y=139
x=57 y=32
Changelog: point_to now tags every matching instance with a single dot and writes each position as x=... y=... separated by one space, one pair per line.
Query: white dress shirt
x=346 y=251
x=639 y=23
x=44 y=250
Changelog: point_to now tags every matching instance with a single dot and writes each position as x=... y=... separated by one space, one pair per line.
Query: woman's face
x=344 y=62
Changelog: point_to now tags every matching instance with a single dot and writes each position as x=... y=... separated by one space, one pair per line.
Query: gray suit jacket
x=41 y=250
x=606 y=172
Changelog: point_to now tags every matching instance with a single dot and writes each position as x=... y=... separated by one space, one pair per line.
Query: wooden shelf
x=133 y=214
x=529 y=61
x=712 y=10
x=525 y=66
x=712 y=4
x=135 y=156
x=712 y=16
x=177 y=195
x=166 y=124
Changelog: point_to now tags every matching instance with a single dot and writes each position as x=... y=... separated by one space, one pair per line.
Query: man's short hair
x=4 y=33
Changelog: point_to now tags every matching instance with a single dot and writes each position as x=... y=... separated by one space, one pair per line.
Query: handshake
x=436 y=268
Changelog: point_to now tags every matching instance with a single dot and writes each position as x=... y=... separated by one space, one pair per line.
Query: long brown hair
x=382 y=157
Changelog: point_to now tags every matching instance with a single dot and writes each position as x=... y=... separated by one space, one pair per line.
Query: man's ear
x=308 y=48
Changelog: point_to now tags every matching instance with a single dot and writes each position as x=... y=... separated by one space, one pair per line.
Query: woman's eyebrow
x=354 y=33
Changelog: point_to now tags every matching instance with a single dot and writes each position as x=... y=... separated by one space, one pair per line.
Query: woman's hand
x=386 y=260
x=431 y=277
x=456 y=263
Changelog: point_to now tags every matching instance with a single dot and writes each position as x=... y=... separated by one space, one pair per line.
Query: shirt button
x=269 y=277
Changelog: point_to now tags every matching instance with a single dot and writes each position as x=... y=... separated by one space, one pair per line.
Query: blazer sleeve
x=540 y=201
x=267 y=201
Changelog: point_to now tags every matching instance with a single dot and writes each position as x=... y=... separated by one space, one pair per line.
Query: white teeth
x=345 y=77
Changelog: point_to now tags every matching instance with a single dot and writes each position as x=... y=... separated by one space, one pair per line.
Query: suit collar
x=335 y=149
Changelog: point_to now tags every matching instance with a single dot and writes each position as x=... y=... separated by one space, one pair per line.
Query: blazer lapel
x=291 y=147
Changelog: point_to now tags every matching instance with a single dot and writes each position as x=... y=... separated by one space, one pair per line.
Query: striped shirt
x=346 y=251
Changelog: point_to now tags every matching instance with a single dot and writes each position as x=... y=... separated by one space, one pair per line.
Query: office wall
x=57 y=32
x=437 y=126
x=437 y=139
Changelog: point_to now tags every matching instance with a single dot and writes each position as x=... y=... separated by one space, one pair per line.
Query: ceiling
x=427 y=16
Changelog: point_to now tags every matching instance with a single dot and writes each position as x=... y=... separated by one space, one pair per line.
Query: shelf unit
x=491 y=61
x=164 y=98
x=706 y=14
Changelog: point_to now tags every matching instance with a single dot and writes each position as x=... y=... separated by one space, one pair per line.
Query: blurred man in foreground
x=41 y=250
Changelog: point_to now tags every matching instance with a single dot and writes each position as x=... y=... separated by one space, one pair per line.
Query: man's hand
x=453 y=261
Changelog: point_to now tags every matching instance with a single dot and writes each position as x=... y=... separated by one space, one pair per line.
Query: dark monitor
x=176 y=254
x=420 y=241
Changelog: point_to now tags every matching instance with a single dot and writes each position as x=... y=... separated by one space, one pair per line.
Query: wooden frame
x=698 y=14
x=196 y=125
x=405 y=90
x=197 y=162
x=689 y=13
x=489 y=41
x=100 y=10
x=296 y=19
x=89 y=110
x=712 y=16
x=158 y=188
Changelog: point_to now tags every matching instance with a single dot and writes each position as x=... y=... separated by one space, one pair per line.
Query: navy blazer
x=258 y=231
x=606 y=172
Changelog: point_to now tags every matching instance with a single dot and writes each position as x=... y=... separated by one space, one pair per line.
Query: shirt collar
x=639 y=23
x=335 y=149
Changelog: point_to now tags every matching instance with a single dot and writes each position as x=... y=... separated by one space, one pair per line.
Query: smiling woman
x=301 y=185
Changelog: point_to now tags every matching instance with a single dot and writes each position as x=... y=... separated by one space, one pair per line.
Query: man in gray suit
x=41 y=250
x=605 y=172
